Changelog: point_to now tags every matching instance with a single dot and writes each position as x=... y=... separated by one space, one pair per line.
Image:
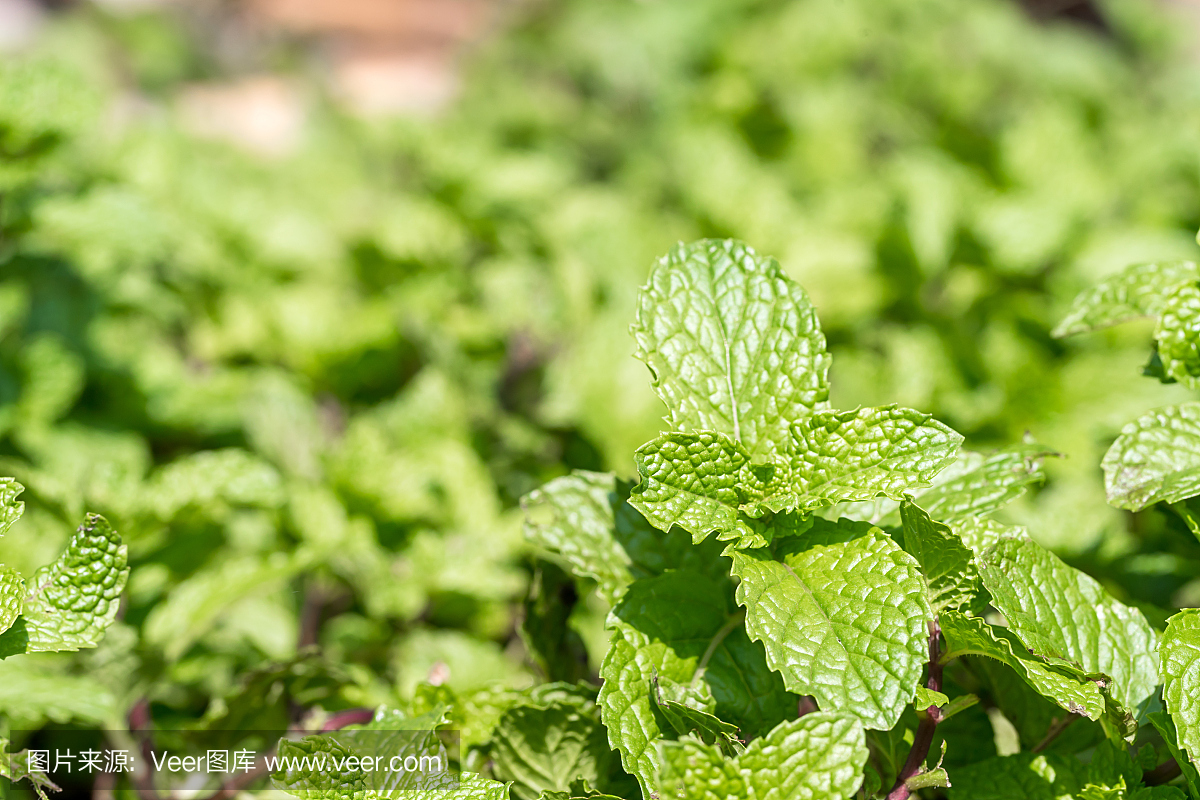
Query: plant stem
x=1163 y=773
x=1056 y=727
x=928 y=724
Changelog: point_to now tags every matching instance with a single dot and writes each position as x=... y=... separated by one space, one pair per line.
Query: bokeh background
x=304 y=295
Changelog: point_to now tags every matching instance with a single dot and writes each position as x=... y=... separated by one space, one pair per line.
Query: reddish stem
x=923 y=739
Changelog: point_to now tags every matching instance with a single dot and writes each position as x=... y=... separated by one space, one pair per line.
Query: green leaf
x=1138 y=291
x=585 y=519
x=671 y=700
x=705 y=482
x=839 y=456
x=980 y=484
x=924 y=698
x=195 y=605
x=980 y=533
x=972 y=636
x=15 y=767
x=1060 y=613
x=732 y=343
x=947 y=564
x=390 y=735
x=572 y=516
x=210 y=477
x=1156 y=458
x=11 y=508
x=682 y=627
x=697 y=481
x=73 y=600
x=817 y=757
x=974 y=485
x=1180 y=659
x=1178 y=334
x=548 y=748
x=843 y=613
x=1025 y=776
x=1165 y=726
x=550 y=640
x=12 y=596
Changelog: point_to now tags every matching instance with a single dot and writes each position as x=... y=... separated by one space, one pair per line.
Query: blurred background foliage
x=304 y=304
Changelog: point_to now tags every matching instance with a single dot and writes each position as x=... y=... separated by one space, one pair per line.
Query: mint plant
x=1156 y=458
x=66 y=605
x=811 y=603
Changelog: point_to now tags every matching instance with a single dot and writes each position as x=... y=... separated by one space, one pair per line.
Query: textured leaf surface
x=1180 y=660
x=1156 y=458
x=842 y=611
x=685 y=628
x=548 y=748
x=1178 y=334
x=733 y=344
x=972 y=636
x=817 y=757
x=980 y=533
x=74 y=599
x=12 y=596
x=10 y=507
x=1137 y=291
x=841 y=456
x=697 y=481
x=979 y=484
x=388 y=736
x=573 y=517
x=947 y=564
x=1059 y=612
x=974 y=485
x=585 y=519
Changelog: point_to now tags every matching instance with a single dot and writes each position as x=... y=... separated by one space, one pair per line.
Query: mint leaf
x=839 y=456
x=697 y=481
x=1163 y=723
x=15 y=767
x=71 y=601
x=1178 y=334
x=974 y=485
x=195 y=605
x=1060 y=613
x=572 y=516
x=980 y=533
x=213 y=476
x=391 y=735
x=11 y=508
x=972 y=636
x=732 y=343
x=12 y=596
x=1026 y=776
x=706 y=482
x=585 y=519
x=947 y=564
x=979 y=484
x=817 y=757
x=1180 y=660
x=682 y=627
x=671 y=699
x=1156 y=458
x=843 y=613
x=548 y=748
x=924 y=698
x=1137 y=291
